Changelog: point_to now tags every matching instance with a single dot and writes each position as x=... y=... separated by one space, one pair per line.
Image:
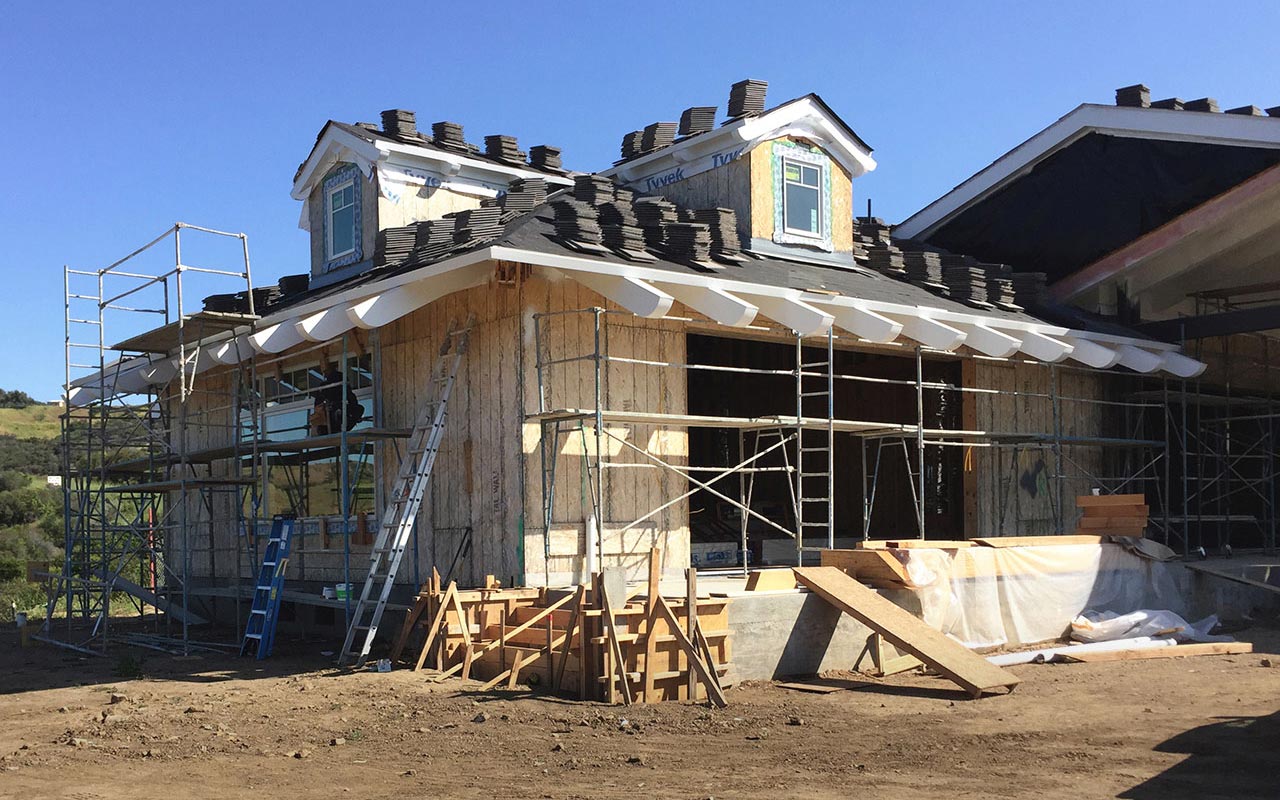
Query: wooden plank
x=434 y=628
x=1173 y=651
x=691 y=621
x=615 y=651
x=706 y=672
x=1092 y=512
x=1092 y=523
x=767 y=580
x=875 y=566
x=1089 y=500
x=906 y=632
x=818 y=688
x=1040 y=541
x=650 y=639
x=928 y=544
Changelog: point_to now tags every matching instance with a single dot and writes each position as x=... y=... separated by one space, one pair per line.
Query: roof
x=1094 y=180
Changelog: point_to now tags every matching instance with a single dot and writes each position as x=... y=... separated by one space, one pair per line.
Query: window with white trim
x=340 y=208
x=802 y=198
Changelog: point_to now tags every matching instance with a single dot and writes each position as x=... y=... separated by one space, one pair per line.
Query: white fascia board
x=715 y=148
x=1045 y=348
x=336 y=145
x=1093 y=354
x=158 y=372
x=1123 y=121
x=276 y=338
x=636 y=296
x=387 y=307
x=325 y=325
x=714 y=303
x=1139 y=360
x=1183 y=366
x=789 y=311
x=931 y=333
x=232 y=351
x=991 y=342
x=82 y=396
x=861 y=322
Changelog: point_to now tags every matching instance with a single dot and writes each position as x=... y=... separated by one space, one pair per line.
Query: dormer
x=787 y=173
x=361 y=179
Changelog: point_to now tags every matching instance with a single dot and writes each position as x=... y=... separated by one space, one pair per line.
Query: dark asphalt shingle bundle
x=999 y=284
x=887 y=260
x=525 y=195
x=294 y=284
x=576 y=220
x=872 y=231
x=544 y=156
x=687 y=241
x=593 y=189
x=722 y=224
x=698 y=119
x=746 y=97
x=657 y=135
x=631 y=144
x=1169 y=103
x=1203 y=104
x=434 y=239
x=654 y=214
x=394 y=244
x=401 y=124
x=1136 y=96
x=504 y=148
x=1029 y=288
x=623 y=195
x=923 y=267
x=449 y=134
x=967 y=284
x=619 y=226
x=477 y=224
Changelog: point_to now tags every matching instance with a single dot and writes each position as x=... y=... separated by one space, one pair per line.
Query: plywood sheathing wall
x=762 y=211
x=1021 y=480
x=629 y=492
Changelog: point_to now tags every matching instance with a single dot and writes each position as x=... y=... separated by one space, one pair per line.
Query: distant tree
x=15 y=398
x=31 y=456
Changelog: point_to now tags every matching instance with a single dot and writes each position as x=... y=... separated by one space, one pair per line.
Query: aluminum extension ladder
x=404 y=502
x=260 y=630
x=815 y=451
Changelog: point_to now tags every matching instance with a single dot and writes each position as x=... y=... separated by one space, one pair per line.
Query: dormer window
x=802 y=198
x=342 y=217
x=801 y=195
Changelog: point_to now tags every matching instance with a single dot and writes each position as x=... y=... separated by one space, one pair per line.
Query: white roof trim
x=1124 y=121
x=339 y=145
x=803 y=117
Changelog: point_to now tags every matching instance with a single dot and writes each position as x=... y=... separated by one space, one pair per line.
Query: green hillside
x=33 y=422
x=30 y=512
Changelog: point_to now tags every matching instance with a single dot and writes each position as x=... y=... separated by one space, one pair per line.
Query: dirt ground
x=92 y=727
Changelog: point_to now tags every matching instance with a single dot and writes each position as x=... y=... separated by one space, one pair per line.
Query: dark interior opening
x=744 y=394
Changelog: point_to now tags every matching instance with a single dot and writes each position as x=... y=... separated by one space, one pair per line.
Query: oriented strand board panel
x=906 y=632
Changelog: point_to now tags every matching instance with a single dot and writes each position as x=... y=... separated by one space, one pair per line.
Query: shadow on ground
x=1233 y=757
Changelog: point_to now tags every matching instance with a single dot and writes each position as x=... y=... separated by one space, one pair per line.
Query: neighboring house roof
x=1094 y=180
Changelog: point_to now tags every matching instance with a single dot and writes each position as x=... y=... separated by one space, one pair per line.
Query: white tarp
x=994 y=596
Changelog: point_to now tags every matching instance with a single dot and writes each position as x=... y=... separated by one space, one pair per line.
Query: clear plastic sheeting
x=1107 y=626
x=999 y=596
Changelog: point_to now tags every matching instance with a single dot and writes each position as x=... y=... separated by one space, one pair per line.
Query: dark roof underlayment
x=1094 y=196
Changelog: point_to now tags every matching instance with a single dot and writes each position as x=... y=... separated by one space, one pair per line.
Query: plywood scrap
x=1173 y=651
x=906 y=632
x=768 y=580
x=1039 y=541
x=878 y=567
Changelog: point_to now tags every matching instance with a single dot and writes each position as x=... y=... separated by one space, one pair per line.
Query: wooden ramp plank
x=905 y=632
x=151 y=598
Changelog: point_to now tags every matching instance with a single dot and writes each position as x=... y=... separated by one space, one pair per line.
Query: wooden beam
x=391 y=305
x=930 y=332
x=706 y=672
x=1091 y=353
x=1137 y=359
x=714 y=303
x=325 y=325
x=1174 y=651
x=863 y=323
x=640 y=298
x=436 y=623
x=905 y=631
x=991 y=342
x=795 y=314
x=1045 y=348
x=276 y=338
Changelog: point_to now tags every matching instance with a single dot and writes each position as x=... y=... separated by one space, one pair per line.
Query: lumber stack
x=1112 y=515
x=641 y=648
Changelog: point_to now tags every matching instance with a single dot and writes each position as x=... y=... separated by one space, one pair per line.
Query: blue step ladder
x=260 y=630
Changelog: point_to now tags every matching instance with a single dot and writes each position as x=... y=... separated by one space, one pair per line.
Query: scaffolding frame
x=1139 y=461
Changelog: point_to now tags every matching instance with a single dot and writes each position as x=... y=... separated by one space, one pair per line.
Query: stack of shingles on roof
x=747 y=97
x=393 y=245
x=1029 y=289
x=434 y=239
x=882 y=255
x=924 y=268
x=657 y=136
x=688 y=240
x=523 y=196
x=966 y=282
x=631 y=145
x=654 y=213
x=577 y=222
x=722 y=225
x=1000 y=290
x=620 y=228
x=477 y=225
x=503 y=148
x=698 y=119
x=449 y=135
x=545 y=157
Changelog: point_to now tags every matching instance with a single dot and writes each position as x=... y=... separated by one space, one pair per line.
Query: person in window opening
x=327 y=417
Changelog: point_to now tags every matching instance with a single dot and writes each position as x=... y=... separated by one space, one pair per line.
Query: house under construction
x=502 y=370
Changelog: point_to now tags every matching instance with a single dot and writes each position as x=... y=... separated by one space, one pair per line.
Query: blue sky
x=120 y=119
